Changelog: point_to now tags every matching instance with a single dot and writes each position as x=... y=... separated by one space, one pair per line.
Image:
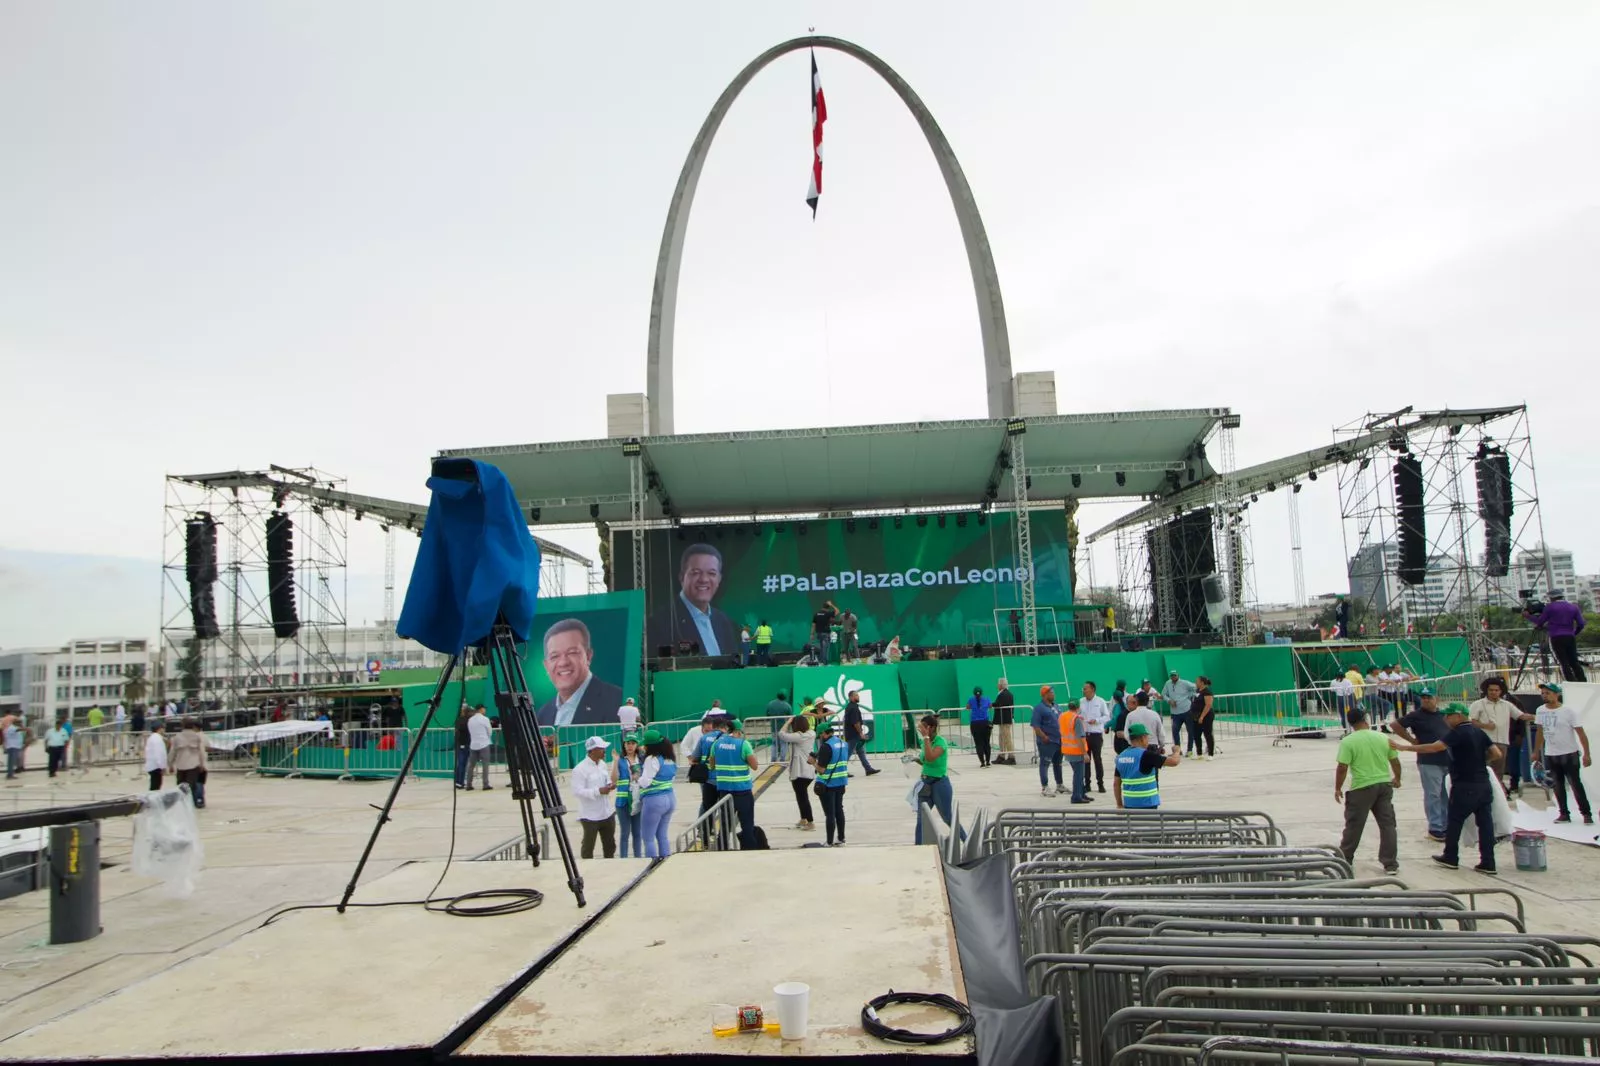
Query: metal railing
x=715 y=830
x=1158 y=933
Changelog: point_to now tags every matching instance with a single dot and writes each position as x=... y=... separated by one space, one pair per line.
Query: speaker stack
x=1190 y=555
x=200 y=566
x=280 y=575
x=1413 y=523
x=1494 y=507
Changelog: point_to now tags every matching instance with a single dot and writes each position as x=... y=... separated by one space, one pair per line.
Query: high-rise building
x=1375 y=581
x=1529 y=568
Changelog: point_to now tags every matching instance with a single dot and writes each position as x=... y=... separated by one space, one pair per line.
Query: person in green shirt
x=1372 y=769
x=934 y=755
x=97 y=717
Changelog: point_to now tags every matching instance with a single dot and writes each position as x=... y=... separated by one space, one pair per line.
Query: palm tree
x=134 y=684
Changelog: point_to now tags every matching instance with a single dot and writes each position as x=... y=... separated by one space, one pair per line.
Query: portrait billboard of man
x=581 y=698
x=690 y=617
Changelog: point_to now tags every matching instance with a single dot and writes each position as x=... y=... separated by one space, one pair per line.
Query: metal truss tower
x=247 y=654
x=1459 y=581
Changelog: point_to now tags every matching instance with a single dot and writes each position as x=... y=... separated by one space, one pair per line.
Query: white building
x=1529 y=569
x=1374 y=579
x=71 y=678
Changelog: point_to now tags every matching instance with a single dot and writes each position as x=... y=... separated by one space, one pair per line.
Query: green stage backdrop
x=928 y=584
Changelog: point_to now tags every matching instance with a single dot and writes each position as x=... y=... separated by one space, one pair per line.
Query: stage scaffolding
x=1149 y=587
x=1458 y=581
x=246 y=654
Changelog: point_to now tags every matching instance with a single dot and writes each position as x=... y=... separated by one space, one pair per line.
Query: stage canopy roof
x=858 y=468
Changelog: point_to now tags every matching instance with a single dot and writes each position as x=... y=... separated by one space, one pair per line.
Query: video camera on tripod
x=1530 y=605
x=473 y=592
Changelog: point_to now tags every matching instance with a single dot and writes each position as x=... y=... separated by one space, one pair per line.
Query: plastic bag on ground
x=166 y=841
x=1502 y=816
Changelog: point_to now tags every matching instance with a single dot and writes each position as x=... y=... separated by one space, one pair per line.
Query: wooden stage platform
x=639 y=972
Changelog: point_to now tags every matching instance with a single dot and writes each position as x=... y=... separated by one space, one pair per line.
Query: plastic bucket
x=1528 y=847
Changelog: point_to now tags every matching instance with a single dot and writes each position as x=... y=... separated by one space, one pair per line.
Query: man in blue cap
x=1426 y=726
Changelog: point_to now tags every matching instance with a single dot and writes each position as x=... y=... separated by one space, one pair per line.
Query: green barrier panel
x=879 y=687
x=930 y=684
x=686 y=694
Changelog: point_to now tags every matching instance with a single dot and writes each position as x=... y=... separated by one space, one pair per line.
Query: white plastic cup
x=793 y=1008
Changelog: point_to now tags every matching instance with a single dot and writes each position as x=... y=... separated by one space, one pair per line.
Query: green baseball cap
x=734 y=723
x=1456 y=708
x=1552 y=686
x=1138 y=729
x=651 y=736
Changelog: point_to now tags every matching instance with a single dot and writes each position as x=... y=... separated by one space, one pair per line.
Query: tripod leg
x=400 y=779
x=526 y=758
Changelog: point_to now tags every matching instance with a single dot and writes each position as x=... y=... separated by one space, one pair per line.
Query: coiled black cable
x=874 y=1025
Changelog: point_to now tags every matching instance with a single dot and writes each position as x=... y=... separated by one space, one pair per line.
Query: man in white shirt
x=1096 y=714
x=1505 y=723
x=591 y=783
x=1559 y=740
x=1152 y=721
x=119 y=715
x=691 y=739
x=628 y=715
x=481 y=732
x=155 y=756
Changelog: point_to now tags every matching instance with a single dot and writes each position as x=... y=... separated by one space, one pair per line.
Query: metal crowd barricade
x=1250 y=1049
x=715 y=830
x=1500 y=1031
x=1157 y=934
x=92 y=747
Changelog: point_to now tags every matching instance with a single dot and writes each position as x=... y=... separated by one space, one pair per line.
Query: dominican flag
x=1410 y=629
x=819 y=115
x=1383 y=626
x=1337 y=632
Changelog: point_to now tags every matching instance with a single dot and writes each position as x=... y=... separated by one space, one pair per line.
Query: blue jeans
x=858 y=747
x=461 y=765
x=1435 y=795
x=655 y=814
x=942 y=796
x=1049 y=757
x=629 y=827
x=1077 y=764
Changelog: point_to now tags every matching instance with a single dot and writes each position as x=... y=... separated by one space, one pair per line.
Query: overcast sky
x=352 y=234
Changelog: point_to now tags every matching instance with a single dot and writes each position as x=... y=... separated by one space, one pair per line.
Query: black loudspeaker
x=1494 y=507
x=1412 y=521
x=1189 y=557
x=280 y=576
x=200 y=565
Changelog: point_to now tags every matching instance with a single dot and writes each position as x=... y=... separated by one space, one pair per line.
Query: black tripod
x=526 y=760
x=1544 y=657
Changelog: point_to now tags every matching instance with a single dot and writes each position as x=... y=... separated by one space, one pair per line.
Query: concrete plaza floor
x=271 y=843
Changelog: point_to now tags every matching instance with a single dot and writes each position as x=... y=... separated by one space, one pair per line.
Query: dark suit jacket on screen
x=598 y=706
x=672 y=623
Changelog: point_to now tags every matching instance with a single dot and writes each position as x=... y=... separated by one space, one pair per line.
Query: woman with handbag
x=623 y=773
x=798 y=740
x=934 y=755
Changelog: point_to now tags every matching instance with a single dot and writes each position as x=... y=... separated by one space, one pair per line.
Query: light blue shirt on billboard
x=567 y=708
x=702 y=622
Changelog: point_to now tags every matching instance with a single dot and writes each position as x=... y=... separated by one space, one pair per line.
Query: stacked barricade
x=1174 y=938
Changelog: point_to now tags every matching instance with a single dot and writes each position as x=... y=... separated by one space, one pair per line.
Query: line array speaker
x=280 y=575
x=1413 y=529
x=1189 y=557
x=1494 y=507
x=200 y=566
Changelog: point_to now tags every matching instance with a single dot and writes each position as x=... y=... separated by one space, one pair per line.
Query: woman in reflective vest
x=623 y=772
x=833 y=774
x=657 y=800
x=1137 y=785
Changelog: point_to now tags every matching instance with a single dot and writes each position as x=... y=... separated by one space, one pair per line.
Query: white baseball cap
x=595 y=743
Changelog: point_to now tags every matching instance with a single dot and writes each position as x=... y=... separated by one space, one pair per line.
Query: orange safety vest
x=1069 y=744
